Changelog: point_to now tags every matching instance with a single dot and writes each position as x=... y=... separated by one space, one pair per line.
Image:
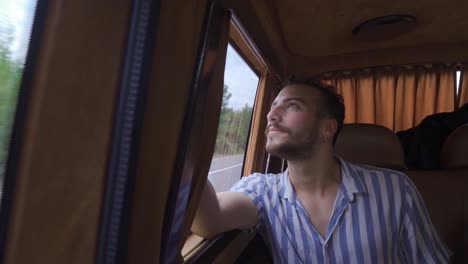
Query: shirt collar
x=351 y=183
x=286 y=190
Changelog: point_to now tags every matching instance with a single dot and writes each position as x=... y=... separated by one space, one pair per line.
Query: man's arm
x=220 y=212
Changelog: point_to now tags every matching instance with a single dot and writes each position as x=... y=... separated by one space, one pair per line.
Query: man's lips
x=276 y=128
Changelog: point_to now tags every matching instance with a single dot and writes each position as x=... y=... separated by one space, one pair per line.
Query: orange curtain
x=463 y=92
x=445 y=100
x=346 y=86
x=365 y=98
x=405 y=98
x=434 y=93
x=385 y=89
x=396 y=98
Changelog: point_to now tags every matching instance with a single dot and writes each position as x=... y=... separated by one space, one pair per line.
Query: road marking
x=228 y=168
x=229 y=157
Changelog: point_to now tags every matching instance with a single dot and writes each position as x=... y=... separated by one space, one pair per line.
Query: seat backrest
x=454 y=153
x=444 y=192
x=453 y=158
x=444 y=195
x=371 y=145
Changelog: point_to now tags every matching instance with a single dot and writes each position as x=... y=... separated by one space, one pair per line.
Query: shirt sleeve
x=418 y=237
x=253 y=186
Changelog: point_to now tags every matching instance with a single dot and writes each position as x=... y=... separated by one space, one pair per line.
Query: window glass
x=240 y=87
x=16 y=17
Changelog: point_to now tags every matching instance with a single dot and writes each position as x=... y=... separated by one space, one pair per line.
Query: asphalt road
x=226 y=171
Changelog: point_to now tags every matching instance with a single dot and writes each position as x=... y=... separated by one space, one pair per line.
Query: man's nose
x=274 y=115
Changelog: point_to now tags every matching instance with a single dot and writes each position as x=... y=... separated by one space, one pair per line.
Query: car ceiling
x=309 y=37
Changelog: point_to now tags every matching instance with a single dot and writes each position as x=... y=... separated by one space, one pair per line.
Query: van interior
x=116 y=124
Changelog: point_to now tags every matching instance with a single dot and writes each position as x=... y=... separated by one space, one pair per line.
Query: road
x=226 y=171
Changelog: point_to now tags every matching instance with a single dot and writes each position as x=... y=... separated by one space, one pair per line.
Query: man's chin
x=288 y=152
x=275 y=150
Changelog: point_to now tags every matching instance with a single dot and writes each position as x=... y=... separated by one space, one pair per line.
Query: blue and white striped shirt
x=379 y=217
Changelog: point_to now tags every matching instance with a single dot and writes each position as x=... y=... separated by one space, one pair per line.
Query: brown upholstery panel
x=371 y=145
x=174 y=61
x=443 y=193
x=62 y=159
x=454 y=153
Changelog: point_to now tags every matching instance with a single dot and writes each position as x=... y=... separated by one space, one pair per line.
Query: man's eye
x=293 y=105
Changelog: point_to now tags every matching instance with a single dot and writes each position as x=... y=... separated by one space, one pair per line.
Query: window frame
x=191 y=159
x=198 y=248
x=256 y=72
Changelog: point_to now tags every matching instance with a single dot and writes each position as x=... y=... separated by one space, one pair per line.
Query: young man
x=322 y=209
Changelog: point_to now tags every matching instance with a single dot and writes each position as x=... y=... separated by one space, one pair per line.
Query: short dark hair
x=331 y=103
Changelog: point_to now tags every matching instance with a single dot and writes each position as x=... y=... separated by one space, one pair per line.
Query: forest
x=233 y=128
x=10 y=78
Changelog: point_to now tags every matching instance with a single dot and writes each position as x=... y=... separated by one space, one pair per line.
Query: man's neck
x=316 y=175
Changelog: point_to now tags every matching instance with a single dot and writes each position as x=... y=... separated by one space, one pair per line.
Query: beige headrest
x=454 y=153
x=370 y=144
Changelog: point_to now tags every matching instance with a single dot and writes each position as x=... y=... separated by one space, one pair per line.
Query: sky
x=242 y=81
x=17 y=15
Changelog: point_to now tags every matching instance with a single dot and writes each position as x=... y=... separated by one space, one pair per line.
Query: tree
x=246 y=118
x=10 y=78
x=233 y=127
x=226 y=96
x=221 y=141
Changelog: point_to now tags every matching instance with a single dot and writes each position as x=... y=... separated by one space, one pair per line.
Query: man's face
x=293 y=124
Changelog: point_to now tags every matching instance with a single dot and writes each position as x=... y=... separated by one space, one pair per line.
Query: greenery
x=233 y=127
x=10 y=78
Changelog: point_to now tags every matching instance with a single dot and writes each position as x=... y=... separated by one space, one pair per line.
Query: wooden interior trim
x=225 y=248
x=191 y=245
x=213 y=247
x=174 y=59
x=246 y=48
x=62 y=163
x=263 y=32
x=255 y=160
x=235 y=248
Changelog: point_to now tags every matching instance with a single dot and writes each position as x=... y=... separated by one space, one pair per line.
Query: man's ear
x=330 y=126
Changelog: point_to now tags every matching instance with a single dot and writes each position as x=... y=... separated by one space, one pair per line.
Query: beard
x=295 y=147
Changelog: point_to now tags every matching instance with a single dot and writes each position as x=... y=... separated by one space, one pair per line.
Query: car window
x=16 y=18
x=240 y=87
